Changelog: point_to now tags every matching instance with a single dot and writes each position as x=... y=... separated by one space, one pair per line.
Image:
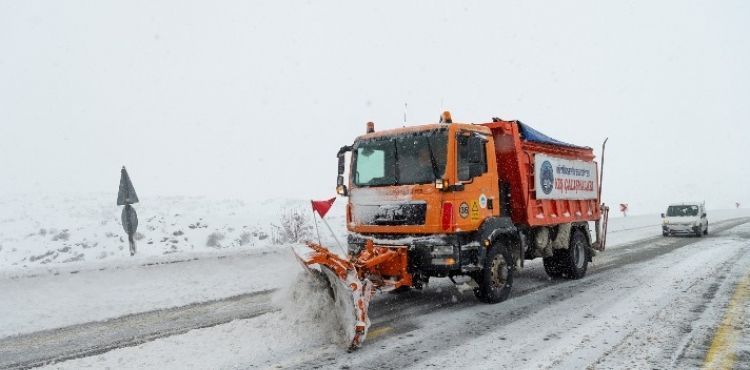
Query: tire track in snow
x=677 y=325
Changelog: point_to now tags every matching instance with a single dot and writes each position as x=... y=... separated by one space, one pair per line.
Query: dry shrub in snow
x=248 y=237
x=62 y=235
x=245 y=238
x=214 y=238
x=295 y=226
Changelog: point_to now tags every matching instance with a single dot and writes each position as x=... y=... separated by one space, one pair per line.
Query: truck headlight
x=444 y=261
x=442 y=250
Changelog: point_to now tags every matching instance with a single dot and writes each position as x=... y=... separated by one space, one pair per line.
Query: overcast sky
x=252 y=99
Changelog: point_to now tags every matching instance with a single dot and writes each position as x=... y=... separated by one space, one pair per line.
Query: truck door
x=476 y=171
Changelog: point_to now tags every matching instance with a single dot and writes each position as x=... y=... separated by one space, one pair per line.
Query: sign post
x=125 y=197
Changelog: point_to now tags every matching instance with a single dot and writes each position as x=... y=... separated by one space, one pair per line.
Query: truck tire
x=495 y=279
x=575 y=259
x=552 y=266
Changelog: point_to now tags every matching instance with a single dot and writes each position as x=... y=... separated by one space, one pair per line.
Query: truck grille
x=391 y=214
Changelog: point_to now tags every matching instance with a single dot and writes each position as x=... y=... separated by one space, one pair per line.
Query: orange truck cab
x=472 y=199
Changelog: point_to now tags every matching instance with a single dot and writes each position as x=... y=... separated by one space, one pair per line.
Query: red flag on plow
x=322 y=206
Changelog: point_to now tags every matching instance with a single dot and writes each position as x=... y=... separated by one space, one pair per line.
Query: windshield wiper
x=396 y=171
x=432 y=160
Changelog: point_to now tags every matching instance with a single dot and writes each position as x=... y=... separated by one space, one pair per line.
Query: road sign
x=125 y=197
x=126 y=194
x=129 y=219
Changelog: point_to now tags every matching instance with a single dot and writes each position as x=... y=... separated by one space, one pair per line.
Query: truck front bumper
x=434 y=255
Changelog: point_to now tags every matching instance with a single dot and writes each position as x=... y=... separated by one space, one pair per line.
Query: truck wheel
x=705 y=232
x=552 y=266
x=495 y=279
x=575 y=259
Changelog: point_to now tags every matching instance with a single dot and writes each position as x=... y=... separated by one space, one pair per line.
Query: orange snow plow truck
x=450 y=199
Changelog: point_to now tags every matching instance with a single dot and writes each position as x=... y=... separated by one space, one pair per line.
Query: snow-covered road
x=653 y=302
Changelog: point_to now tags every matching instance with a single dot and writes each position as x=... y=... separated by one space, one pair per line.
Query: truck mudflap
x=354 y=279
x=601 y=229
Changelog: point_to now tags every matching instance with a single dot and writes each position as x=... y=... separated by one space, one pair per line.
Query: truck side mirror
x=704 y=215
x=340 y=187
x=662 y=215
x=342 y=190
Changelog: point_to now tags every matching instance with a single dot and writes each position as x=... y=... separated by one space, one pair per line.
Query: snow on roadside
x=625 y=316
x=50 y=301
x=304 y=323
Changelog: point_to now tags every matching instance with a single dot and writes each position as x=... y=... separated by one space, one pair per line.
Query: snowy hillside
x=86 y=231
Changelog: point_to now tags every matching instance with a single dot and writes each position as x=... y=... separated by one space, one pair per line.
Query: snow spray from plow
x=353 y=282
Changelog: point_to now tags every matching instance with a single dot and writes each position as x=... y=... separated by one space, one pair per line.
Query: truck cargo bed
x=569 y=192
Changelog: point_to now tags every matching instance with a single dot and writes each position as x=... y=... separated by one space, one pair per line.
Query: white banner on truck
x=557 y=178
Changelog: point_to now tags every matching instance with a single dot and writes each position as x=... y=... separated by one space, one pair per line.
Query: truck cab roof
x=424 y=127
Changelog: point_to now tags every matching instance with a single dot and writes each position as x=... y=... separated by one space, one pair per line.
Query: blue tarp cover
x=529 y=134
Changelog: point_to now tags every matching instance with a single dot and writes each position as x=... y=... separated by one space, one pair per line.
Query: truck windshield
x=682 y=211
x=413 y=158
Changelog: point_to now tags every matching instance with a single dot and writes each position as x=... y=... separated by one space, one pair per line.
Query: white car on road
x=685 y=218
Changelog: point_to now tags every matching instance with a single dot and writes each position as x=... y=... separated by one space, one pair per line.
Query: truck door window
x=472 y=156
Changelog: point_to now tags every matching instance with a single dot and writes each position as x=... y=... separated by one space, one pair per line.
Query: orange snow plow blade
x=354 y=279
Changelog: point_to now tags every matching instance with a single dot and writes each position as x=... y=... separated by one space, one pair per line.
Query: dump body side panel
x=515 y=166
